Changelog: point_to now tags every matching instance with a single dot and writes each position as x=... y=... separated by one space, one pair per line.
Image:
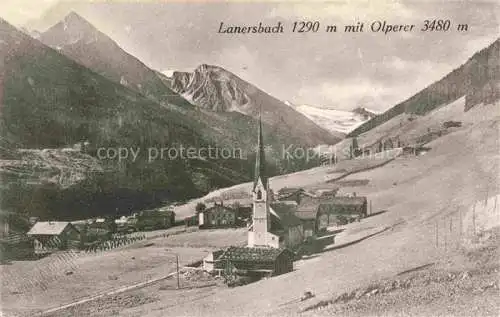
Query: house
x=290 y=193
x=155 y=219
x=217 y=216
x=191 y=221
x=287 y=226
x=326 y=192
x=258 y=262
x=269 y=228
x=307 y=213
x=318 y=214
x=209 y=260
x=293 y=194
x=298 y=194
x=54 y=235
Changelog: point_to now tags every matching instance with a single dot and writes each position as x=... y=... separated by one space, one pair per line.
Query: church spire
x=260 y=160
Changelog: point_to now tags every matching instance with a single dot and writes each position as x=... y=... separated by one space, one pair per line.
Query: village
x=238 y=236
x=279 y=225
x=235 y=241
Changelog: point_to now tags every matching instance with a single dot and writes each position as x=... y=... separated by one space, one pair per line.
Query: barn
x=54 y=235
x=255 y=261
x=341 y=210
x=319 y=213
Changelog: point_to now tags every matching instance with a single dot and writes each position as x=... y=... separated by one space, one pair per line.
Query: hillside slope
x=478 y=79
x=416 y=192
x=82 y=42
x=50 y=101
x=79 y=40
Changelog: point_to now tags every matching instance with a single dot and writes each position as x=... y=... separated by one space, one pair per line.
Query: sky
x=332 y=70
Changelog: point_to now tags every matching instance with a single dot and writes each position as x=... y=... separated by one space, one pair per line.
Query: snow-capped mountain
x=335 y=120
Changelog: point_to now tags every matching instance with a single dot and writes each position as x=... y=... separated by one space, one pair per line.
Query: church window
x=259 y=194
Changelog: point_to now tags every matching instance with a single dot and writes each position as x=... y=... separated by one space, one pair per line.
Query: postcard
x=238 y=158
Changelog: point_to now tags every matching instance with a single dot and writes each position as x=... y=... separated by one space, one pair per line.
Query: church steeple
x=260 y=161
x=258 y=235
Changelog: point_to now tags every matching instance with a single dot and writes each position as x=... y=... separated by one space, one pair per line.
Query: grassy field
x=211 y=238
x=466 y=286
x=33 y=286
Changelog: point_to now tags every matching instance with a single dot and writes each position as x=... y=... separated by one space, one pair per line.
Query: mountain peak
x=73 y=17
x=204 y=68
x=73 y=25
x=217 y=89
x=72 y=29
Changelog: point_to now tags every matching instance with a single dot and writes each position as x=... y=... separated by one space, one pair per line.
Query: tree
x=355 y=143
x=354 y=149
x=111 y=224
x=200 y=207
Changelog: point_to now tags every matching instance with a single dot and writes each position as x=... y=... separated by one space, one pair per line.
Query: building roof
x=216 y=207
x=308 y=208
x=156 y=212
x=326 y=191
x=309 y=205
x=247 y=254
x=260 y=161
x=345 y=200
x=289 y=190
x=242 y=202
x=285 y=214
x=48 y=227
x=306 y=215
x=289 y=220
x=287 y=206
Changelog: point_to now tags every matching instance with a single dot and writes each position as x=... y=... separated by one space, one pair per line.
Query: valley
x=394 y=240
x=113 y=204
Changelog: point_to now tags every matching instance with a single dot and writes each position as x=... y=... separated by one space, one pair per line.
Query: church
x=272 y=235
x=269 y=228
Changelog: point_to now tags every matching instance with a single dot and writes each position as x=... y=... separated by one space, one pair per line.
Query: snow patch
x=331 y=119
x=168 y=72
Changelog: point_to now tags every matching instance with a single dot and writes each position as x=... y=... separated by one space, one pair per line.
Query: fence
x=466 y=225
x=115 y=242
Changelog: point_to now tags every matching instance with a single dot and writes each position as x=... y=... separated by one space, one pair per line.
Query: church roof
x=260 y=161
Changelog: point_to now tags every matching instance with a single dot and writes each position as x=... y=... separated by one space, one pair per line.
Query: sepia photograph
x=249 y=158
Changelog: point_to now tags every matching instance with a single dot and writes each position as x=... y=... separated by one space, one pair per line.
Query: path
x=109 y=293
